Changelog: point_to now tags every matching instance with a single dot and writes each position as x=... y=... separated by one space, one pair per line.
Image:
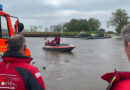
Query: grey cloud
x=47 y=14
x=93 y=5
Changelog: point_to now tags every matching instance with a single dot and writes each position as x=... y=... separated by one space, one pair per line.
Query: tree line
x=118 y=19
x=77 y=25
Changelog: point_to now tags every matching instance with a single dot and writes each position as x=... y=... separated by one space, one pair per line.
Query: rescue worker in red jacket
x=53 y=43
x=16 y=72
x=47 y=43
x=120 y=80
x=57 y=40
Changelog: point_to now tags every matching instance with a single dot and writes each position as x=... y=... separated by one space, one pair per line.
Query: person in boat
x=47 y=43
x=120 y=80
x=53 y=43
x=57 y=40
x=16 y=72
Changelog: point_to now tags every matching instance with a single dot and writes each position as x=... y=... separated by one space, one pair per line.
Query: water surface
x=82 y=68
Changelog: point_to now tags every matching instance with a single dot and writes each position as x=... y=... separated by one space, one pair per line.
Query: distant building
x=101 y=32
x=110 y=33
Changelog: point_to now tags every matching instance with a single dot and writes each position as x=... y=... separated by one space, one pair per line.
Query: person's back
x=16 y=73
x=10 y=77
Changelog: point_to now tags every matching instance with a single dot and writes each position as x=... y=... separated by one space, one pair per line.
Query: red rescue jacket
x=114 y=78
x=16 y=73
x=57 y=39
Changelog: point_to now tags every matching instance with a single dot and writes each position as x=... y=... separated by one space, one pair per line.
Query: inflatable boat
x=61 y=47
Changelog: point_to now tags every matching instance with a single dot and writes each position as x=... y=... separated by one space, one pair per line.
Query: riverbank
x=40 y=34
x=52 y=34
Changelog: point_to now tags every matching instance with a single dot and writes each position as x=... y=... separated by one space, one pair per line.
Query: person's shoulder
x=31 y=67
x=28 y=67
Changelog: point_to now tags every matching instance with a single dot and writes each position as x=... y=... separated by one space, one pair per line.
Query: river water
x=82 y=68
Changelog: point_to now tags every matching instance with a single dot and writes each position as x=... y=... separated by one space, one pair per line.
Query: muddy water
x=82 y=68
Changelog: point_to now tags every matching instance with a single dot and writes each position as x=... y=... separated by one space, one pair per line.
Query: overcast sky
x=53 y=12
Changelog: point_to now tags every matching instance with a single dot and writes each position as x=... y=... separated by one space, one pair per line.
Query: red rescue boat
x=61 y=47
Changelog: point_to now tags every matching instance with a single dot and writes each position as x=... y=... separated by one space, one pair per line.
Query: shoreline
x=66 y=34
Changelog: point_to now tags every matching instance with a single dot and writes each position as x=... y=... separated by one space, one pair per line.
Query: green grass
x=51 y=34
x=40 y=34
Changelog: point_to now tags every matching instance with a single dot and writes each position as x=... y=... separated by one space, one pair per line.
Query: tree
x=46 y=29
x=52 y=28
x=56 y=28
x=40 y=27
x=83 y=25
x=72 y=26
x=33 y=28
x=77 y=25
x=118 y=19
x=93 y=24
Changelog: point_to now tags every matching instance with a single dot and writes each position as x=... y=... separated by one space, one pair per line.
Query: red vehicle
x=7 y=30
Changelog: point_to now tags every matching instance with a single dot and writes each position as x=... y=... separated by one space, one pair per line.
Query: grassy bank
x=51 y=34
x=40 y=34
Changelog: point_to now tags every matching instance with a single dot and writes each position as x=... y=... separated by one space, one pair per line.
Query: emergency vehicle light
x=1 y=7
